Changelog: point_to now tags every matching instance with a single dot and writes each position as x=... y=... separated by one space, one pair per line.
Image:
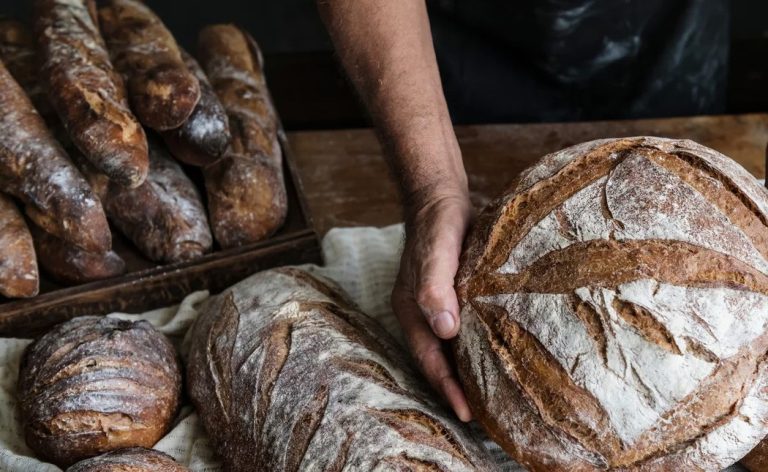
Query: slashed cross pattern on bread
x=287 y=375
x=614 y=306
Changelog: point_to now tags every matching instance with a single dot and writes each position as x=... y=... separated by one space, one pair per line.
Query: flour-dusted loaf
x=287 y=375
x=96 y=384
x=161 y=89
x=70 y=265
x=247 y=201
x=134 y=459
x=614 y=308
x=18 y=263
x=87 y=92
x=204 y=137
x=35 y=169
x=164 y=217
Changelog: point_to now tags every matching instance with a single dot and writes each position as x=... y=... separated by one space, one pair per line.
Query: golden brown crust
x=96 y=384
x=70 y=265
x=18 y=263
x=87 y=93
x=35 y=169
x=162 y=90
x=247 y=201
x=204 y=137
x=133 y=459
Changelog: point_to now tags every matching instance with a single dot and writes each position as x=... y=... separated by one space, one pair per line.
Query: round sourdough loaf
x=96 y=384
x=614 y=307
x=134 y=459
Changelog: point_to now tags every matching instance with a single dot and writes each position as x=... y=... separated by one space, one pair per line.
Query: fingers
x=427 y=349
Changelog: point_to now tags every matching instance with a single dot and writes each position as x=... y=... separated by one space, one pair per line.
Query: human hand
x=424 y=299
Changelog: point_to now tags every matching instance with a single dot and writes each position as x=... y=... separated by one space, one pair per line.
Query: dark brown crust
x=757 y=459
x=133 y=459
x=162 y=90
x=87 y=93
x=164 y=217
x=246 y=193
x=35 y=169
x=95 y=384
x=204 y=137
x=18 y=265
x=70 y=265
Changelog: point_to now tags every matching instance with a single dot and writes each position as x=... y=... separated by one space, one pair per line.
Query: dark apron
x=563 y=60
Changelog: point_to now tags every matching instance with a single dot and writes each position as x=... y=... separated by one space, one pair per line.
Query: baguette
x=204 y=137
x=247 y=200
x=70 y=265
x=17 y=51
x=18 y=265
x=164 y=217
x=35 y=169
x=161 y=89
x=287 y=375
x=87 y=93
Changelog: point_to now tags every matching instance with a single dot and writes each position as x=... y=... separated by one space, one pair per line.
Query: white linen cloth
x=363 y=261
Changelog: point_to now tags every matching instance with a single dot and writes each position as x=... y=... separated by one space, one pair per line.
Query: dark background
x=311 y=92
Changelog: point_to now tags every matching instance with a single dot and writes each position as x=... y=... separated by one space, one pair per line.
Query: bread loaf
x=96 y=384
x=86 y=92
x=134 y=459
x=757 y=459
x=614 y=309
x=287 y=375
x=164 y=217
x=17 y=51
x=18 y=264
x=36 y=170
x=204 y=137
x=70 y=265
x=246 y=192
x=161 y=89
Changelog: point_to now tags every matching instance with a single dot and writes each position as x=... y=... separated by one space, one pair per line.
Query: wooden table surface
x=346 y=181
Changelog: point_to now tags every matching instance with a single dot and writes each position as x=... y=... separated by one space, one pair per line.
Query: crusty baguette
x=164 y=217
x=17 y=51
x=86 y=91
x=132 y=459
x=204 y=137
x=287 y=375
x=246 y=193
x=95 y=384
x=162 y=91
x=18 y=265
x=35 y=169
x=70 y=265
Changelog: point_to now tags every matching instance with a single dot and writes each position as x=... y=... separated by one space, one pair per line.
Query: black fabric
x=561 y=60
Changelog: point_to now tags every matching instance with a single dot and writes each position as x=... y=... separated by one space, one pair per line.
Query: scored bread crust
x=287 y=375
x=95 y=384
x=614 y=304
x=132 y=459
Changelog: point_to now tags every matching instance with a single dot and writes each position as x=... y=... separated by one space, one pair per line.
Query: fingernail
x=442 y=323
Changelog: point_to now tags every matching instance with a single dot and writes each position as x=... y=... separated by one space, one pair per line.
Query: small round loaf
x=96 y=384
x=133 y=459
x=614 y=305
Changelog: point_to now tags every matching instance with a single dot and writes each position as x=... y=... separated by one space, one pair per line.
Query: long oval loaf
x=86 y=92
x=133 y=459
x=614 y=310
x=204 y=137
x=247 y=201
x=287 y=375
x=96 y=384
x=164 y=217
x=35 y=169
x=18 y=263
x=161 y=89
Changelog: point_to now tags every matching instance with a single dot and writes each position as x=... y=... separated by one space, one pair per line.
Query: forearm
x=386 y=48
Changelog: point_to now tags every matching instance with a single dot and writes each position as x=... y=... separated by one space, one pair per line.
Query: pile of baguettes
x=96 y=104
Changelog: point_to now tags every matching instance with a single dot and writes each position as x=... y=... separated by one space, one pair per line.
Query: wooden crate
x=147 y=285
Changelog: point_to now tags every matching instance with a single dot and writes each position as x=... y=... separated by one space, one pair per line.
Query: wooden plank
x=346 y=182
